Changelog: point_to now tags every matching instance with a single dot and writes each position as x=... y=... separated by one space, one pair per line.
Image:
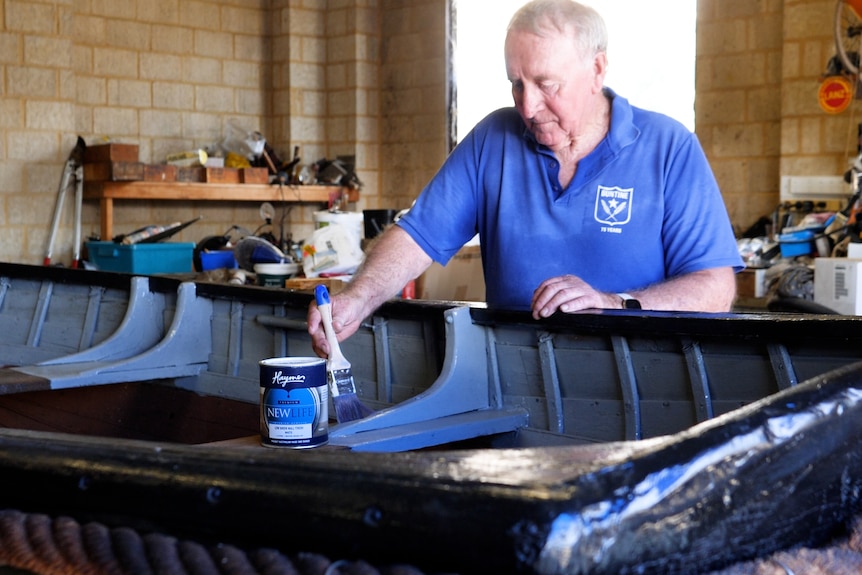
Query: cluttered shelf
x=108 y=191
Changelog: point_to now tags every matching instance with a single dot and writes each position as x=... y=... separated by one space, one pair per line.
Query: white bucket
x=352 y=221
x=274 y=275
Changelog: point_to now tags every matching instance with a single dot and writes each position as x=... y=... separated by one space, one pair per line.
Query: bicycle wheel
x=848 y=33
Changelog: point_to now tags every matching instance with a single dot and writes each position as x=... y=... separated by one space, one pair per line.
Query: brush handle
x=336 y=358
x=321 y=294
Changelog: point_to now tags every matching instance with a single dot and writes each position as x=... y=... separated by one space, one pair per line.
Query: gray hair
x=568 y=17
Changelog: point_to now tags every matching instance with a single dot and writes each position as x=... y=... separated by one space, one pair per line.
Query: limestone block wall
x=170 y=75
x=366 y=78
x=414 y=105
x=164 y=75
x=812 y=141
x=759 y=64
x=326 y=90
x=738 y=101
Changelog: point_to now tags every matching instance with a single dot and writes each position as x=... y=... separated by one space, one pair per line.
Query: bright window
x=651 y=54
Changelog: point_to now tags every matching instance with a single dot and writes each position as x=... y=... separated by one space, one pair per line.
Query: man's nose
x=530 y=101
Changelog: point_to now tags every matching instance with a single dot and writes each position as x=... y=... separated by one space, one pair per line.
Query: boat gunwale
x=780 y=325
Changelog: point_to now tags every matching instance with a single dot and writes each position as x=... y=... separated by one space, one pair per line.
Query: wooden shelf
x=107 y=192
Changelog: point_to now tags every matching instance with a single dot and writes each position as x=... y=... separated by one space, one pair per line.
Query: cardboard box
x=222 y=175
x=114 y=172
x=191 y=174
x=111 y=153
x=461 y=279
x=160 y=173
x=751 y=283
x=838 y=284
x=854 y=250
x=254 y=175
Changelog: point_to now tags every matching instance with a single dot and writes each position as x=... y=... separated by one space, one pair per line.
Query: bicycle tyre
x=848 y=36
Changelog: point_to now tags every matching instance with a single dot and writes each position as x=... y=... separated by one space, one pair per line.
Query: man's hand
x=569 y=294
x=711 y=290
x=393 y=260
x=347 y=315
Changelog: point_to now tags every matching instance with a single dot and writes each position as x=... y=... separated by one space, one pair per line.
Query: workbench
x=108 y=191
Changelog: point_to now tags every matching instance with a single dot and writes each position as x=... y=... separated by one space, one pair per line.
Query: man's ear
x=600 y=69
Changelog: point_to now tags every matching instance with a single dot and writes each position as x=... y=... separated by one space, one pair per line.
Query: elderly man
x=580 y=200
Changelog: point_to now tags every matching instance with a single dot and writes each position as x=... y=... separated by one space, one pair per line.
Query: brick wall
x=414 y=111
x=759 y=64
x=164 y=75
x=350 y=77
x=738 y=101
x=168 y=76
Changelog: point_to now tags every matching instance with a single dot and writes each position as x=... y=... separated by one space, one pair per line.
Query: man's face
x=552 y=85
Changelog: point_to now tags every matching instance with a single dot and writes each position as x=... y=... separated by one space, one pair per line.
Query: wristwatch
x=629 y=302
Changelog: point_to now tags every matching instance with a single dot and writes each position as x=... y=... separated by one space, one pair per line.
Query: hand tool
x=342 y=387
x=72 y=169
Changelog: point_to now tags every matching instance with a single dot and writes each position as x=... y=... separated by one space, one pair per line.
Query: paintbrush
x=342 y=387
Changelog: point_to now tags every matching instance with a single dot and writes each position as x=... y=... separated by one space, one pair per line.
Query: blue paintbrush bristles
x=346 y=403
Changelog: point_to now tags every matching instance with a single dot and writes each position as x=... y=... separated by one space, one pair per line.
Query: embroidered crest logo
x=613 y=205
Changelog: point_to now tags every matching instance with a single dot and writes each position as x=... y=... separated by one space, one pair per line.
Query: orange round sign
x=835 y=94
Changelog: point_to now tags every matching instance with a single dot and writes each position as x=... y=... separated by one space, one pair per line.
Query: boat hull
x=783 y=471
x=600 y=442
x=435 y=372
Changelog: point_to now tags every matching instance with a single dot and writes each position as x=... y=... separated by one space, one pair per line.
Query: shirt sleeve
x=697 y=233
x=444 y=216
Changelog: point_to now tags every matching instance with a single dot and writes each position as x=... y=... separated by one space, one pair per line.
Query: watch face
x=632 y=304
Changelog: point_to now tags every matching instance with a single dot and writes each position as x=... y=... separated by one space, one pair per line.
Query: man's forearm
x=393 y=260
x=712 y=290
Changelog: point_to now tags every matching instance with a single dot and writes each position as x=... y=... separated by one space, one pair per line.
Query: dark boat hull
x=785 y=470
x=615 y=442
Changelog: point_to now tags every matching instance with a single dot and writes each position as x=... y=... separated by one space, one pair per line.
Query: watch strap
x=629 y=301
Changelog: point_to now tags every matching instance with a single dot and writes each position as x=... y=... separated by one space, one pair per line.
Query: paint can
x=294 y=402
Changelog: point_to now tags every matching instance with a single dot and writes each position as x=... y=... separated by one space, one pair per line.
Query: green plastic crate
x=145 y=259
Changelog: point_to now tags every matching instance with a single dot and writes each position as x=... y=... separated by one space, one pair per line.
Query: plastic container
x=798 y=243
x=218 y=259
x=274 y=275
x=156 y=258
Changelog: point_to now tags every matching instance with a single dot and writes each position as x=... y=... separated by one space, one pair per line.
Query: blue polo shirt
x=643 y=207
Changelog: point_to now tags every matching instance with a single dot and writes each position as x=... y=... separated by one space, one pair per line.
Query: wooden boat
x=607 y=442
x=46 y=317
